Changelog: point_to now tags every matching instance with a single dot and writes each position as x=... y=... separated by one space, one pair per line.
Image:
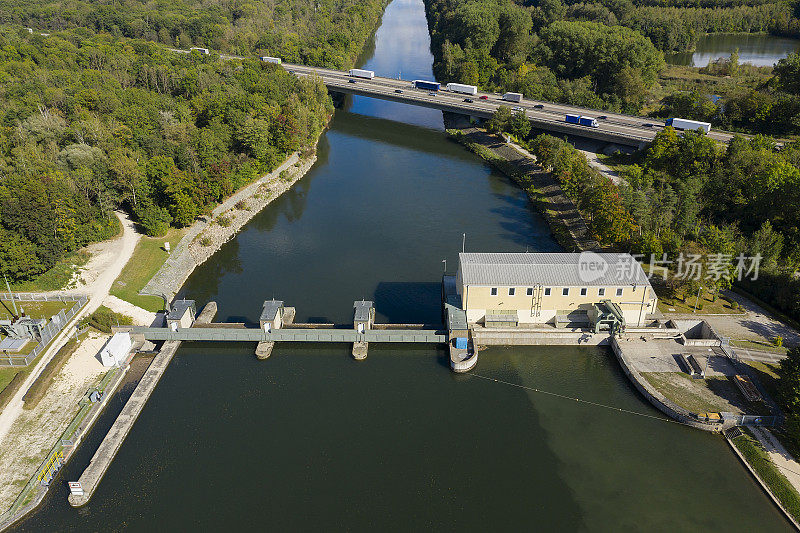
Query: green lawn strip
x=39 y=387
x=761 y=345
x=10 y=381
x=755 y=454
x=147 y=258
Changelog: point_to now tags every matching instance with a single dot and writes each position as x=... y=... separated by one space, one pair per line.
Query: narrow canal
x=312 y=440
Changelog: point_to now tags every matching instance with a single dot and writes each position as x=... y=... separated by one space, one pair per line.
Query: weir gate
x=276 y=324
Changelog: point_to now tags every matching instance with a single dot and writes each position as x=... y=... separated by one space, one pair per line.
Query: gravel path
x=112 y=256
x=787 y=464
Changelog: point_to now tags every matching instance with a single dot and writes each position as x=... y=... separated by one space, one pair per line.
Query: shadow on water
x=407 y=302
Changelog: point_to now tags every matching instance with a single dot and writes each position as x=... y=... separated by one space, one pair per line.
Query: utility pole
x=10 y=295
x=697 y=299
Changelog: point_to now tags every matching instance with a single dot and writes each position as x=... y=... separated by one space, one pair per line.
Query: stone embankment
x=206 y=236
x=565 y=221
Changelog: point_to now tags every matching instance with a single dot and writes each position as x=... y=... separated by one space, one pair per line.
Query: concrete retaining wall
x=661 y=402
x=536 y=337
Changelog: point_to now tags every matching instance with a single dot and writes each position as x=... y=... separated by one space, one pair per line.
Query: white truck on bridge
x=463 y=89
x=361 y=73
x=685 y=124
x=512 y=97
x=268 y=59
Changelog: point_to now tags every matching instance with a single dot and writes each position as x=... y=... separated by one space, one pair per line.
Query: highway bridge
x=613 y=127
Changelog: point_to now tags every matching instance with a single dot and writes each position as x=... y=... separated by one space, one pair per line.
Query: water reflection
x=760 y=50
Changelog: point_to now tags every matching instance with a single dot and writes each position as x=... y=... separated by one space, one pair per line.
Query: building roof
x=179 y=308
x=551 y=269
x=270 y=309
x=361 y=313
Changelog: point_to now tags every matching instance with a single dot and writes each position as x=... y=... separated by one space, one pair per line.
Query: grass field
x=760 y=345
x=714 y=394
x=709 y=306
x=147 y=258
x=33 y=309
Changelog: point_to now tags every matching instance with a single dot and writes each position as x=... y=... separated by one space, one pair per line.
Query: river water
x=756 y=49
x=312 y=440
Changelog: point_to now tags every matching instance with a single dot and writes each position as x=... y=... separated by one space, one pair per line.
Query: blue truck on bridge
x=426 y=85
x=582 y=121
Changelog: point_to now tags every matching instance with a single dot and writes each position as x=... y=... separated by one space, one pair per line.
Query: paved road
x=546 y=115
x=614 y=127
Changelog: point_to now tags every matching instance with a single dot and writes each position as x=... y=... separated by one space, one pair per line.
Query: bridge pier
x=363 y=320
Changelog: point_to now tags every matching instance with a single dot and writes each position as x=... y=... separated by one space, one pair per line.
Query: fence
x=56 y=457
x=50 y=330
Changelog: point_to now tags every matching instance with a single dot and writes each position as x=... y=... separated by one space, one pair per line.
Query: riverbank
x=565 y=221
x=207 y=235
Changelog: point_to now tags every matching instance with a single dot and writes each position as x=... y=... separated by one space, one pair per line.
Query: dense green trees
x=320 y=32
x=89 y=123
x=587 y=63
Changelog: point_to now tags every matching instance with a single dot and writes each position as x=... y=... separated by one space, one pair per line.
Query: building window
x=601 y=292
x=565 y=291
x=511 y=291
x=583 y=291
x=619 y=291
x=530 y=291
x=494 y=291
x=547 y=291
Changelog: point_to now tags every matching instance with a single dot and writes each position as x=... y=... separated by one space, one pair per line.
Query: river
x=312 y=440
x=756 y=49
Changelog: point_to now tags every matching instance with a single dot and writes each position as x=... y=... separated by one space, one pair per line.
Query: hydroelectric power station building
x=515 y=289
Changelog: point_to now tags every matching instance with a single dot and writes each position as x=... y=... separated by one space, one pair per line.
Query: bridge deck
x=428 y=336
x=613 y=127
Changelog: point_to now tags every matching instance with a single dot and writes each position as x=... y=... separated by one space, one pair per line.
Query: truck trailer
x=685 y=124
x=426 y=85
x=512 y=97
x=361 y=73
x=463 y=89
x=582 y=121
x=203 y=51
x=268 y=59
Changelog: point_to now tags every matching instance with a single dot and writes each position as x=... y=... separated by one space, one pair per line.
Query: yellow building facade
x=539 y=288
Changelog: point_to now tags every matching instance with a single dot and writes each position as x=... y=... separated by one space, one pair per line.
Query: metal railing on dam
x=232 y=334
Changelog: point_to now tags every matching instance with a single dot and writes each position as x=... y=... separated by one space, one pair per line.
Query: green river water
x=312 y=440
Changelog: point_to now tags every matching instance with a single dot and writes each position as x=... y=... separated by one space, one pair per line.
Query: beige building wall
x=635 y=302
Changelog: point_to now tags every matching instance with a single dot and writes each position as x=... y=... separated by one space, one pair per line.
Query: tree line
x=686 y=195
x=93 y=122
x=329 y=33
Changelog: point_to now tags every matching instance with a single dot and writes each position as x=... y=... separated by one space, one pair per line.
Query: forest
x=686 y=194
x=326 y=33
x=90 y=123
x=606 y=55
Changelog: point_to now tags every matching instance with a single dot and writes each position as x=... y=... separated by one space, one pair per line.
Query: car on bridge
x=538 y=106
x=351 y=81
x=399 y=91
x=431 y=93
x=468 y=100
x=484 y=97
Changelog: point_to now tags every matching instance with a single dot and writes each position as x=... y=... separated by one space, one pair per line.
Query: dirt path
x=112 y=255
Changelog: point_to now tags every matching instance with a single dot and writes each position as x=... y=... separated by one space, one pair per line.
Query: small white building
x=116 y=349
